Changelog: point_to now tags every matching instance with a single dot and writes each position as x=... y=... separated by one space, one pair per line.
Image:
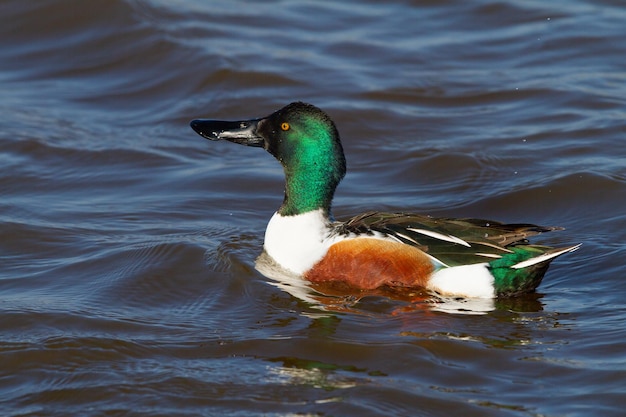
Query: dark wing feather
x=451 y=241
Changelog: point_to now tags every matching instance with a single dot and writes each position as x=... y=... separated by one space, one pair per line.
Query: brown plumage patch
x=368 y=263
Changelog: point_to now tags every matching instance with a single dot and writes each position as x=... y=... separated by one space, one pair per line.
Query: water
x=128 y=244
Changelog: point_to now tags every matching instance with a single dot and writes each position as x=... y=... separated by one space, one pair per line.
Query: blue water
x=128 y=243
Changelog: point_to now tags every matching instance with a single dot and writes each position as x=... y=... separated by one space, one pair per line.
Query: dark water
x=128 y=243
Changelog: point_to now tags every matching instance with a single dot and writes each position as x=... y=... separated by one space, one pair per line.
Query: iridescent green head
x=305 y=141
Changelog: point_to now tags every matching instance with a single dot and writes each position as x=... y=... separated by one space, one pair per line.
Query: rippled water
x=128 y=244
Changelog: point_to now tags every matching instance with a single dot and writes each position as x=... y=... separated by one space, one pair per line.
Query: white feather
x=447 y=238
x=465 y=280
x=403 y=236
x=544 y=257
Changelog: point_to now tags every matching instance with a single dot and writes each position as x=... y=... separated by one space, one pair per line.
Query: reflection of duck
x=464 y=257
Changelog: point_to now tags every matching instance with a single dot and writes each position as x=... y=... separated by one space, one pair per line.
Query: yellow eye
x=284 y=126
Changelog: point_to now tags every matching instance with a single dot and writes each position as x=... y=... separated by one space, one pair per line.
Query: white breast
x=298 y=242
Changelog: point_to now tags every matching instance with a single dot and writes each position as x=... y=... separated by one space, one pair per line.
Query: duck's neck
x=310 y=188
x=303 y=195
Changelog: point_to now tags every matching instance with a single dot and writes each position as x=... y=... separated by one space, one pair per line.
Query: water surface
x=128 y=244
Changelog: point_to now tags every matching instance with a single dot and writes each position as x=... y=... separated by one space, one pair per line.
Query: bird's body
x=462 y=257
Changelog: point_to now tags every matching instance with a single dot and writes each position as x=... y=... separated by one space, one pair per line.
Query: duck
x=464 y=257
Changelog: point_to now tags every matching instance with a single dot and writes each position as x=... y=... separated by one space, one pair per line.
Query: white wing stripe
x=489 y=255
x=447 y=238
x=407 y=238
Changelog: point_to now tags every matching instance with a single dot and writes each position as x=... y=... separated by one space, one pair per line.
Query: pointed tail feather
x=545 y=257
x=522 y=271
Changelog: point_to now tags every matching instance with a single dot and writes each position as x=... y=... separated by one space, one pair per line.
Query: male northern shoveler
x=464 y=257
